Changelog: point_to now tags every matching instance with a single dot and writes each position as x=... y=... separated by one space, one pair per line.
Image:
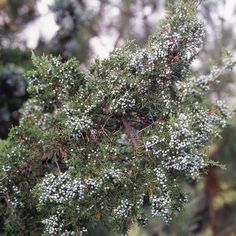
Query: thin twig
x=131 y=133
x=58 y=167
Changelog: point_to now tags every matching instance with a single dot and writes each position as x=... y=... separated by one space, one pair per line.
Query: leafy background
x=212 y=210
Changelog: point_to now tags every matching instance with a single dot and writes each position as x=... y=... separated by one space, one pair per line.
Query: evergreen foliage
x=103 y=146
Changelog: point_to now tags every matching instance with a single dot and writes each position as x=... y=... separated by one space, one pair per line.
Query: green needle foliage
x=113 y=145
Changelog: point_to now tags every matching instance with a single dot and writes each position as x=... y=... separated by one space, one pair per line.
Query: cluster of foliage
x=105 y=145
x=211 y=210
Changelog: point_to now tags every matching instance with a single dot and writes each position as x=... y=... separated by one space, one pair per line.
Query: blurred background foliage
x=98 y=26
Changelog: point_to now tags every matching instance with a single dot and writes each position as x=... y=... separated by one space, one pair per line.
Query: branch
x=133 y=137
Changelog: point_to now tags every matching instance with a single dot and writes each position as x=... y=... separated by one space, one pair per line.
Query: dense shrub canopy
x=107 y=144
